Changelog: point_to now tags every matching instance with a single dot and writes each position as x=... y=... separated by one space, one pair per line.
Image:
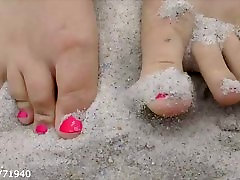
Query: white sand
x=171 y=81
x=118 y=144
x=207 y=30
x=211 y=31
x=230 y=86
x=174 y=9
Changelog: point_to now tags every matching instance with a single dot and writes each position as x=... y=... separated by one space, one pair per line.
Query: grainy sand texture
x=118 y=143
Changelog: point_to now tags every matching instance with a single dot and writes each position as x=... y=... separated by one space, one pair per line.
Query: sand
x=171 y=82
x=118 y=143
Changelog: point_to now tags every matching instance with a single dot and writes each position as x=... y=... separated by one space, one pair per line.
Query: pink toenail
x=161 y=96
x=41 y=129
x=71 y=125
x=22 y=114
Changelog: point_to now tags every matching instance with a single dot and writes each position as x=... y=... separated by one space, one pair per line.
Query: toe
x=215 y=71
x=163 y=45
x=76 y=76
x=76 y=68
x=167 y=93
x=231 y=52
x=169 y=108
x=40 y=88
x=18 y=91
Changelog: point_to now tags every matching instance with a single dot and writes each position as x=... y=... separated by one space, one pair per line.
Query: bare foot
x=219 y=62
x=48 y=47
x=165 y=40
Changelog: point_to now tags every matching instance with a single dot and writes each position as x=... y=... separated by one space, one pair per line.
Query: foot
x=218 y=62
x=49 y=59
x=164 y=42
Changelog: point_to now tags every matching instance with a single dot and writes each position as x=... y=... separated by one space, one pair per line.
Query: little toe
x=215 y=72
x=18 y=91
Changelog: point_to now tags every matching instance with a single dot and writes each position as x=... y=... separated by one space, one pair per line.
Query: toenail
x=161 y=96
x=22 y=114
x=41 y=129
x=71 y=125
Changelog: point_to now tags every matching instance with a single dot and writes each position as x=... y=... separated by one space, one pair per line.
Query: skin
x=49 y=56
x=164 y=42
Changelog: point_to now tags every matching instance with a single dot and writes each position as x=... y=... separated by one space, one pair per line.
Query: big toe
x=77 y=77
x=167 y=93
x=163 y=85
x=170 y=107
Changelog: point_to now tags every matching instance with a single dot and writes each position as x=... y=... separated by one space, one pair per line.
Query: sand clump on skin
x=211 y=31
x=174 y=8
x=230 y=86
x=170 y=81
x=207 y=30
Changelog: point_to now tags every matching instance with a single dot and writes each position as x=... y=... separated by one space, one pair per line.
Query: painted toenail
x=161 y=96
x=41 y=129
x=71 y=125
x=22 y=114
